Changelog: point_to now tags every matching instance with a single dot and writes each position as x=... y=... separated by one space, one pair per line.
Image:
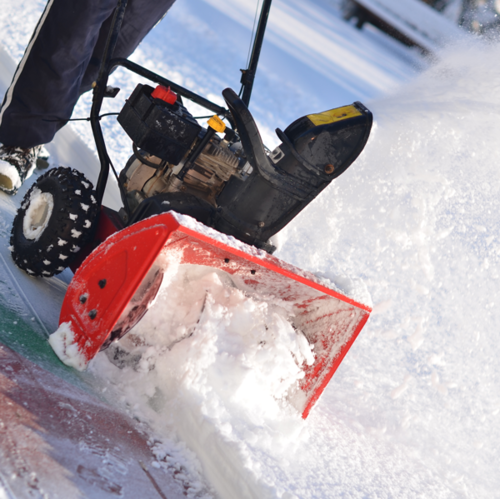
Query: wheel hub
x=38 y=214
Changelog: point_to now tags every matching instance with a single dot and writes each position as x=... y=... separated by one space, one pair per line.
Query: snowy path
x=413 y=410
x=61 y=442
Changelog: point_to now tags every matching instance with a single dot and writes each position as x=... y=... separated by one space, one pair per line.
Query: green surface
x=22 y=333
x=21 y=328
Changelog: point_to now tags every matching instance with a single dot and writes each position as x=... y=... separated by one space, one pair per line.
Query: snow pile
x=417 y=217
x=63 y=343
x=217 y=365
x=352 y=287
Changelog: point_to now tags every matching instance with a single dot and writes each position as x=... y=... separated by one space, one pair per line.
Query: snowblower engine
x=232 y=183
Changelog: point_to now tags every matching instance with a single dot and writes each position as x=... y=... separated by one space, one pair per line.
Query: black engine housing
x=314 y=150
x=284 y=183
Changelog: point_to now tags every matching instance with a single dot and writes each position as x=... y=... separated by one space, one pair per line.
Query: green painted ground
x=21 y=331
x=29 y=307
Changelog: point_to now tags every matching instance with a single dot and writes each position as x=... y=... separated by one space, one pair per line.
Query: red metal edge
x=338 y=360
x=270 y=262
x=122 y=265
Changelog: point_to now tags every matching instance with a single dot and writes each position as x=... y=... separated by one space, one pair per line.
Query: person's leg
x=47 y=82
x=61 y=62
x=140 y=17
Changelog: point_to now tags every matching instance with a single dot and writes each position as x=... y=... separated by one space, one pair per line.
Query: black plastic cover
x=283 y=184
x=163 y=130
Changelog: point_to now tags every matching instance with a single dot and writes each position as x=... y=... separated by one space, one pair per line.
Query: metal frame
x=108 y=64
x=248 y=76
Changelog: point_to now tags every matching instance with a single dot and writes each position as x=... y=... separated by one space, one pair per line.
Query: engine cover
x=164 y=130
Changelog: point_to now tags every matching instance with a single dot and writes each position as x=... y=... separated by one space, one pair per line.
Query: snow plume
x=217 y=365
x=417 y=217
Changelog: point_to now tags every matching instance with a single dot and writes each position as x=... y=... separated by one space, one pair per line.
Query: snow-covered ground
x=413 y=409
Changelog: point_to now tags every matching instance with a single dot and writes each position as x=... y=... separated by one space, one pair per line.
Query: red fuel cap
x=165 y=94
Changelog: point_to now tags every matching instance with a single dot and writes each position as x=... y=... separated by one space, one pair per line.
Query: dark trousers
x=62 y=60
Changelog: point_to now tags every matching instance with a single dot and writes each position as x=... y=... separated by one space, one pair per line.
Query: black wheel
x=56 y=219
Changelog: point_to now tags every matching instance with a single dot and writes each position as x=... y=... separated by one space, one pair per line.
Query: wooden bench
x=412 y=22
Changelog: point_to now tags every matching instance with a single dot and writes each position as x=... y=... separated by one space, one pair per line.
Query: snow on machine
x=209 y=196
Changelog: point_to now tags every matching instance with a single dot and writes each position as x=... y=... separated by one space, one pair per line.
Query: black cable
x=60 y=120
x=209 y=116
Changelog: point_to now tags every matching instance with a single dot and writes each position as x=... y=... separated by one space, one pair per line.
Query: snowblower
x=209 y=196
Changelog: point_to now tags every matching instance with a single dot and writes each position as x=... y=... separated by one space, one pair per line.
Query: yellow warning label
x=217 y=124
x=338 y=114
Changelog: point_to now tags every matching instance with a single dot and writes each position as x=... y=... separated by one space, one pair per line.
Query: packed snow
x=218 y=375
x=63 y=344
x=413 y=409
x=38 y=212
